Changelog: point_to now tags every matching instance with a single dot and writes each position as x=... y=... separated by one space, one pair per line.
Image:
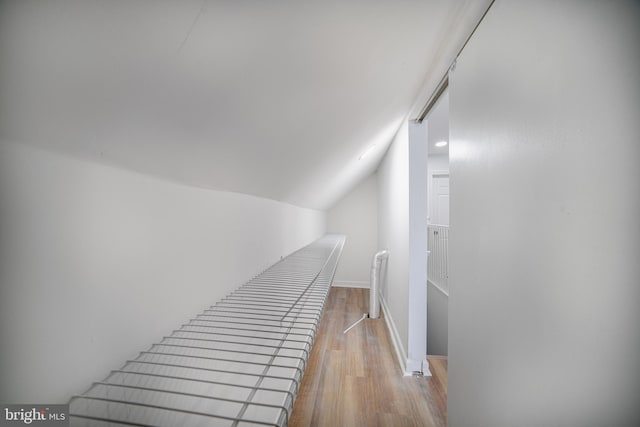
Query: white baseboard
x=407 y=366
x=395 y=337
x=350 y=284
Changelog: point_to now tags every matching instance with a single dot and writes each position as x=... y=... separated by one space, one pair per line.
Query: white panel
x=544 y=295
x=418 y=149
x=440 y=199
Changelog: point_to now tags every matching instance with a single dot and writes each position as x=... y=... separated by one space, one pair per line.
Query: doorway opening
x=438 y=227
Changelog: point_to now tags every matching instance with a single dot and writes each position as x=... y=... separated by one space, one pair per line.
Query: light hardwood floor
x=354 y=379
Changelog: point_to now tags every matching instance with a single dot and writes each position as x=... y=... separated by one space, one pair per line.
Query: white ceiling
x=276 y=99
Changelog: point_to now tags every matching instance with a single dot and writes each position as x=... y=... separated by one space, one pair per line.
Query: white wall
x=97 y=263
x=356 y=216
x=437 y=321
x=393 y=234
x=544 y=244
x=438 y=162
x=402 y=230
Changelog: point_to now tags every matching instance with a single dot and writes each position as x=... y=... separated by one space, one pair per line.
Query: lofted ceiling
x=276 y=99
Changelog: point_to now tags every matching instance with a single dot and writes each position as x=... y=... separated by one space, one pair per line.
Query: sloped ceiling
x=276 y=99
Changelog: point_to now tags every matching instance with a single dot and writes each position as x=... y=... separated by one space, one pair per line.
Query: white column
x=417 y=345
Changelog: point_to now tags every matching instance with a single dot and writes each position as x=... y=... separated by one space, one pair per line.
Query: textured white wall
x=97 y=263
x=544 y=272
x=356 y=216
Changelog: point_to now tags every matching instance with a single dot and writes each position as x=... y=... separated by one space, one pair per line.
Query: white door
x=440 y=199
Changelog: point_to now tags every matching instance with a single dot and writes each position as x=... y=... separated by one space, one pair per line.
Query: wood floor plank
x=353 y=379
